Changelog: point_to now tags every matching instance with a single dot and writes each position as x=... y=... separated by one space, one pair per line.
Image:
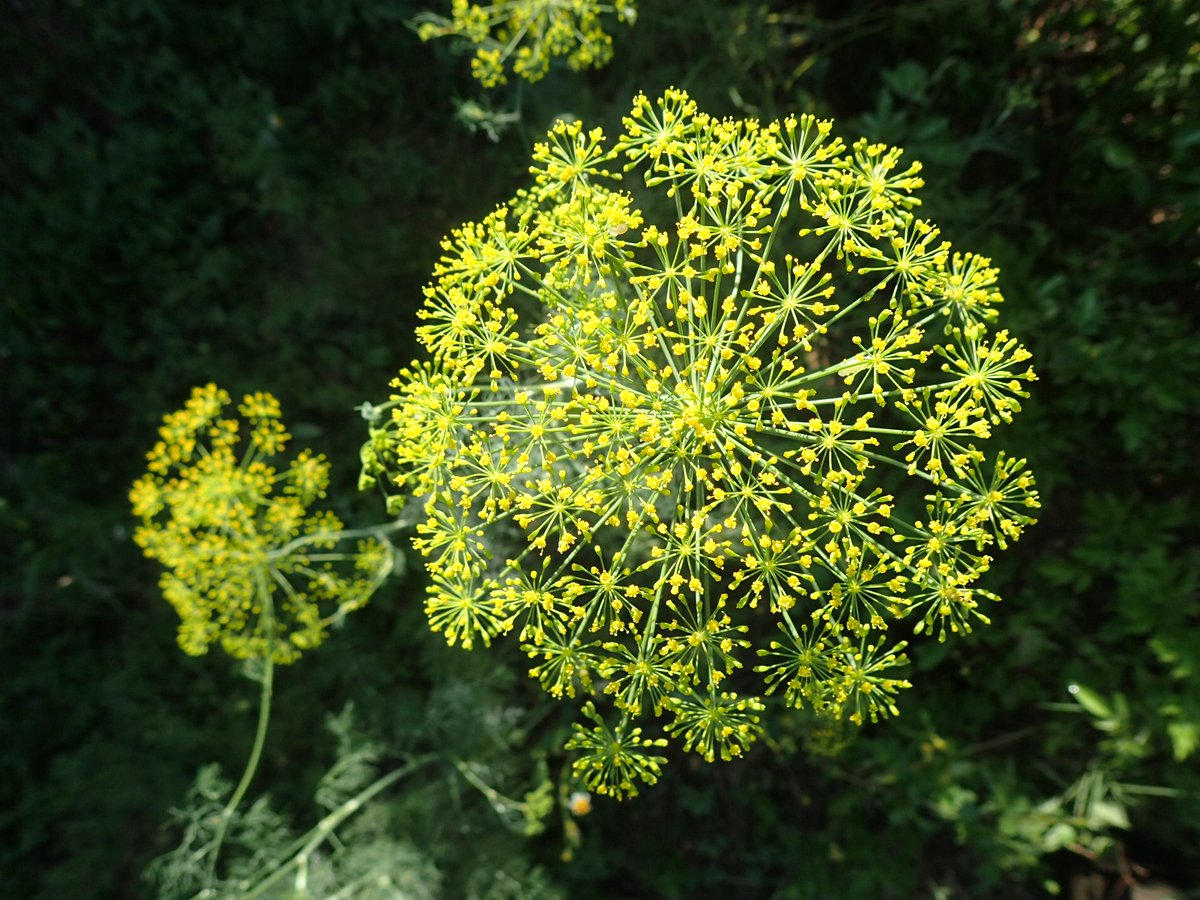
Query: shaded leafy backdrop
x=253 y=194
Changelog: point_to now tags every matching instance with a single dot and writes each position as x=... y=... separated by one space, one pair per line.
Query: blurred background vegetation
x=253 y=194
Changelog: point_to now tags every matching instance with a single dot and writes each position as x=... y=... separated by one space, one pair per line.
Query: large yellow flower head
x=248 y=565
x=728 y=446
x=524 y=36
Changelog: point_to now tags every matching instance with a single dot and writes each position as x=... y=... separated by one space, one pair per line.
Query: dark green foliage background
x=253 y=193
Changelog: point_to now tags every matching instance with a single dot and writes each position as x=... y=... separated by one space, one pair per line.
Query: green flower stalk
x=693 y=458
x=522 y=37
x=248 y=565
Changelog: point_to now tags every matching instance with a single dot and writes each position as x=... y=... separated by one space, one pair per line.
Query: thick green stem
x=260 y=735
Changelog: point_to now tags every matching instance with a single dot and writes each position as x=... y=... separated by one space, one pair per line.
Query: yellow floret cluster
x=704 y=420
x=523 y=36
x=248 y=565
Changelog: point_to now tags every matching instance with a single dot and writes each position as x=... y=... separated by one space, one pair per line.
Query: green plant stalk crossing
x=260 y=734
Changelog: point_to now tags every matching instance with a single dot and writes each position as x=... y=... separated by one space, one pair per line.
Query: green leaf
x=1185 y=738
x=1118 y=155
x=1107 y=814
x=1092 y=702
x=1057 y=836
